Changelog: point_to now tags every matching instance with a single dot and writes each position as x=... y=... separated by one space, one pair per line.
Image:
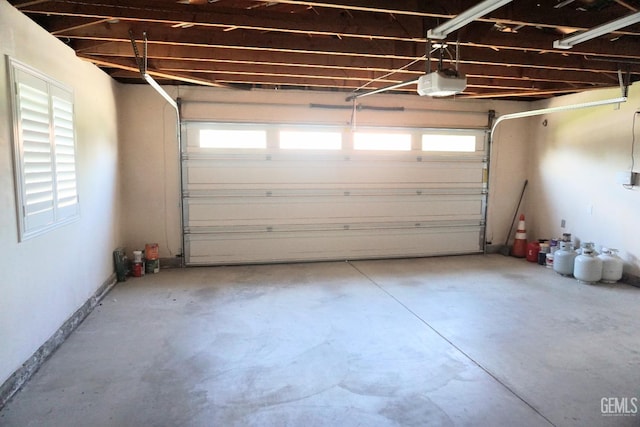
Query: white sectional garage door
x=252 y=195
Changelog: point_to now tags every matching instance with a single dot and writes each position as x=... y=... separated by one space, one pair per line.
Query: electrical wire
x=390 y=73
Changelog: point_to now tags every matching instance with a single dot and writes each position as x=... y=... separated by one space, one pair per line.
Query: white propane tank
x=564 y=259
x=587 y=267
x=611 y=265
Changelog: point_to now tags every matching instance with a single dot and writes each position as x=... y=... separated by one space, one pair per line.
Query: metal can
x=549 y=260
x=138 y=269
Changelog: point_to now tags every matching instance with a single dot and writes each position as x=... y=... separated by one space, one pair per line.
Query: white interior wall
x=149 y=161
x=574 y=161
x=150 y=155
x=47 y=278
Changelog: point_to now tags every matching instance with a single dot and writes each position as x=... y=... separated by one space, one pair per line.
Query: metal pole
x=382 y=89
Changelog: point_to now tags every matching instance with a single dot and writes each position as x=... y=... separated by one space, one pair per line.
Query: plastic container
x=564 y=259
x=152 y=266
x=612 y=266
x=151 y=251
x=137 y=256
x=532 y=251
x=587 y=267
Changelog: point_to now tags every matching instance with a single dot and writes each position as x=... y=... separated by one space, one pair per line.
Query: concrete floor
x=472 y=340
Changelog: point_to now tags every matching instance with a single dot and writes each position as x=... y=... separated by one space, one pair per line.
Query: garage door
x=277 y=193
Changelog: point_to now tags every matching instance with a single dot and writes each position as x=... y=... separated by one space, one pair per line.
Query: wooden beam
x=342 y=44
x=374 y=23
x=62 y=26
x=376 y=66
x=334 y=23
x=29 y=3
x=276 y=44
x=123 y=65
x=527 y=94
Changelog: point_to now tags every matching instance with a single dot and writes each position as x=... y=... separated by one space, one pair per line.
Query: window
x=457 y=143
x=382 y=141
x=44 y=152
x=233 y=138
x=310 y=140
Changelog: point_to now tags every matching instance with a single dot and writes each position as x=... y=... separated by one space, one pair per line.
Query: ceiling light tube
x=161 y=91
x=609 y=27
x=469 y=15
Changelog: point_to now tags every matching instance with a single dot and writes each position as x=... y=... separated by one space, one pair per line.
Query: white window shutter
x=36 y=156
x=45 y=155
x=65 y=158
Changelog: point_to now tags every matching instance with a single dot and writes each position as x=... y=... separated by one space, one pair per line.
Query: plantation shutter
x=36 y=153
x=65 y=156
x=45 y=155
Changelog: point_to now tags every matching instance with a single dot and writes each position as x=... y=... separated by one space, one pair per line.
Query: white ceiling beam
x=609 y=27
x=443 y=30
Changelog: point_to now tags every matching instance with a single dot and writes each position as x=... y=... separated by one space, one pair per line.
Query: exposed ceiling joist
x=343 y=44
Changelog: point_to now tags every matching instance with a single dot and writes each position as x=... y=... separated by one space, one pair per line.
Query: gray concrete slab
x=474 y=340
x=560 y=345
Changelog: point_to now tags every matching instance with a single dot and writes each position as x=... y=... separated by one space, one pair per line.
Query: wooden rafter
x=343 y=44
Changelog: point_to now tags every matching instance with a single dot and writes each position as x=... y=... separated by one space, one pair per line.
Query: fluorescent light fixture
x=609 y=27
x=469 y=15
x=161 y=91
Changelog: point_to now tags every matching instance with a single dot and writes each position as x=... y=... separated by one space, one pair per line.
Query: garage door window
x=310 y=140
x=382 y=141
x=233 y=138
x=449 y=143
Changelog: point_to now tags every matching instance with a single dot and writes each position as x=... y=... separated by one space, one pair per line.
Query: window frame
x=192 y=149
x=58 y=169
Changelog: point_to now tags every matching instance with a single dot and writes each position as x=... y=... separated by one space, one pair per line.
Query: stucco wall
x=574 y=161
x=47 y=278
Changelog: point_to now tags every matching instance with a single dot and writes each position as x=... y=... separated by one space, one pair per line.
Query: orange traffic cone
x=519 y=249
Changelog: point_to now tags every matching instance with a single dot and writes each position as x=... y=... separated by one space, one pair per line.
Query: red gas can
x=532 y=251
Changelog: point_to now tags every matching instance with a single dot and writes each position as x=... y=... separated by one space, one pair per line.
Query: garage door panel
x=262 y=189
x=345 y=209
x=329 y=245
x=336 y=173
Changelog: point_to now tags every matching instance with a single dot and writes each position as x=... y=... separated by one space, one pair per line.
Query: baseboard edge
x=20 y=377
